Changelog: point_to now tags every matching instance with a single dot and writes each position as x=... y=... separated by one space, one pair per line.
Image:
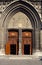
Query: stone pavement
x=20 y=60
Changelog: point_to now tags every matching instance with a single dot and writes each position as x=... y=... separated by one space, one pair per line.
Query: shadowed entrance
x=13 y=44
x=27 y=49
x=13 y=49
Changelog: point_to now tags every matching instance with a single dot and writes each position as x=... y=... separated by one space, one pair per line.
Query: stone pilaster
x=3 y=37
x=41 y=40
x=37 y=39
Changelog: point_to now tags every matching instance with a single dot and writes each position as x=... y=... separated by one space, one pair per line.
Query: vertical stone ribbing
x=37 y=37
x=41 y=40
x=20 y=40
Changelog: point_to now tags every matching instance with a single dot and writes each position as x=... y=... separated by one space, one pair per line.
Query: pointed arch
x=29 y=10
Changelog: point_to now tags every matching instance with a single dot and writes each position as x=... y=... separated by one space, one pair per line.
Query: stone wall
x=36 y=5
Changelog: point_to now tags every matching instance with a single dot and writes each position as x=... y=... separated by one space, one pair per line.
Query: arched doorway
x=24 y=34
x=29 y=11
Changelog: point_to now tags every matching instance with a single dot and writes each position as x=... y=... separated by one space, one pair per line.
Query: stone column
x=37 y=39
x=2 y=37
x=20 y=41
x=41 y=40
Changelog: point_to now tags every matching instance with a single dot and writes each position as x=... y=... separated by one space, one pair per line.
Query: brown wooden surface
x=26 y=39
x=7 y=50
x=12 y=39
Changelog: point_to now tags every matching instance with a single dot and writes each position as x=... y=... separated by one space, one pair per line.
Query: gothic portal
x=21 y=29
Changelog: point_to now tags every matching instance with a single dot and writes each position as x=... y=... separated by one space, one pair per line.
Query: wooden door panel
x=15 y=34
x=7 y=50
x=27 y=40
x=27 y=34
x=12 y=40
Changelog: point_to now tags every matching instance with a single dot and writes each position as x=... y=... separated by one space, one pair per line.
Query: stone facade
x=4 y=5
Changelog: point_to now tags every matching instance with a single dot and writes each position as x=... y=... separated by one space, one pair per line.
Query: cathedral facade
x=20 y=27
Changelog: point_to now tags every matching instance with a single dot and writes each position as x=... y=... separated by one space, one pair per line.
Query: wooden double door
x=12 y=46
